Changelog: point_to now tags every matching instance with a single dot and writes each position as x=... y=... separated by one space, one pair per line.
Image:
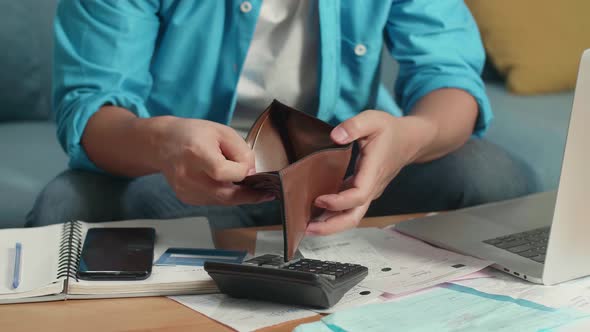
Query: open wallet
x=297 y=161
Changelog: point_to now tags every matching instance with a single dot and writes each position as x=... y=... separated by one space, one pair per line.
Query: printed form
x=447 y=309
x=397 y=264
x=574 y=294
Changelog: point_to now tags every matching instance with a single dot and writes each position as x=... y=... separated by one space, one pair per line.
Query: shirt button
x=246 y=7
x=360 y=49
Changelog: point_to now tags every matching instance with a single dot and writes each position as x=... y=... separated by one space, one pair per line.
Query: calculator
x=301 y=281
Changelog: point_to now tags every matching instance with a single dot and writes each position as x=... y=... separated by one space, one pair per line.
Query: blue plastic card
x=197 y=257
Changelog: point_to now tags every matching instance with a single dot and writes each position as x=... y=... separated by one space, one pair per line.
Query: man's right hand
x=200 y=159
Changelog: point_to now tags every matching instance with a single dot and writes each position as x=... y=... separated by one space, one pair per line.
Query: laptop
x=543 y=238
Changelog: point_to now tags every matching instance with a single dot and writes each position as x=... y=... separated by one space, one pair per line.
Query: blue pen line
x=17 y=263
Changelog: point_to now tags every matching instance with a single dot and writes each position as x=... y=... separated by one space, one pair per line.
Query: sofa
x=531 y=128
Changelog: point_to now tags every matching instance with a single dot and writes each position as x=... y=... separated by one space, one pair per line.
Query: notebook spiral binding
x=70 y=249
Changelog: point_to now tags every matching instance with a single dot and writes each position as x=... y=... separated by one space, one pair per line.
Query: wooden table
x=142 y=314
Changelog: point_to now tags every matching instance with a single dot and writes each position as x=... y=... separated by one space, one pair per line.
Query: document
x=269 y=242
x=397 y=264
x=353 y=246
x=355 y=297
x=241 y=314
x=449 y=308
x=574 y=294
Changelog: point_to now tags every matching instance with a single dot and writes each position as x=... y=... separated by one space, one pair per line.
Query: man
x=144 y=92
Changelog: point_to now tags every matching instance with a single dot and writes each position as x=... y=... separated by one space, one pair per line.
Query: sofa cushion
x=25 y=60
x=30 y=156
x=532 y=129
x=537 y=44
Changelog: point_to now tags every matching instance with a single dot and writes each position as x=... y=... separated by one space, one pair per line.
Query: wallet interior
x=282 y=136
x=296 y=161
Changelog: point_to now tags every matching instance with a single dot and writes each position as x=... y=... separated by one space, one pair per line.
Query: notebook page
x=183 y=233
x=39 y=261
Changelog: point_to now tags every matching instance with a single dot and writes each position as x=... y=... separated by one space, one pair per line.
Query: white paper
x=355 y=297
x=397 y=264
x=241 y=314
x=574 y=294
x=352 y=246
x=39 y=261
x=269 y=242
x=448 y=309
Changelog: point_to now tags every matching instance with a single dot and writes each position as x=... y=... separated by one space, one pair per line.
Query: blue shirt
x=184 y=58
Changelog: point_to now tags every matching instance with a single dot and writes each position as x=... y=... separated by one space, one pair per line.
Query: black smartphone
x=117 y=254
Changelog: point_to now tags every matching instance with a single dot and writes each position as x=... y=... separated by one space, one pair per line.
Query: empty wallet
x=297 y=162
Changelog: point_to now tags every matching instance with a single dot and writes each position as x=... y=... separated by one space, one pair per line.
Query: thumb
x=359 y=126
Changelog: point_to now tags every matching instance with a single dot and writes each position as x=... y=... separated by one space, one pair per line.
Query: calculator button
x=328 y=276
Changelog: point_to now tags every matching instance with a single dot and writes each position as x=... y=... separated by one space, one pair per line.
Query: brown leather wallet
x=296 y=161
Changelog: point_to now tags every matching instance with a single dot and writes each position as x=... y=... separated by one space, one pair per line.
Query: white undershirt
x=281 y=62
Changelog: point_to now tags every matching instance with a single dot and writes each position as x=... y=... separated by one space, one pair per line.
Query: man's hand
x=441 y=122
x=201 y=161
x=385 y=148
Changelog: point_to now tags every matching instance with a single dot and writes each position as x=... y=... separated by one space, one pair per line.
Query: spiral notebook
x=50 y=257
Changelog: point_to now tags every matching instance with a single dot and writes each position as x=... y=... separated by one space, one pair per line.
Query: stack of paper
x=453 y=308
x=397 y=265
x=574 y=294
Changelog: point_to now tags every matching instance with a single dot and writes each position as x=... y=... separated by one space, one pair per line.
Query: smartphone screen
x=117 y=254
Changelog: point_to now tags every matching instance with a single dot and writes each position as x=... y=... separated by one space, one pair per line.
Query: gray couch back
x=26 y=42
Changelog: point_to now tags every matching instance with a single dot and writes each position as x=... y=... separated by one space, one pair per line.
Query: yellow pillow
x=535 y=44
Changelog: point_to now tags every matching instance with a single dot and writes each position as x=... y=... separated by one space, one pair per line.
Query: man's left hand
x=386 y=144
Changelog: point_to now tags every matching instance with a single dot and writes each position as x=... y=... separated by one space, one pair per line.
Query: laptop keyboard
x=530 y=244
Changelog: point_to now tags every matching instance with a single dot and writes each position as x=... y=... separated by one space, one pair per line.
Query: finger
x=362 y=125
x=222 y=170
x=331 y=202
x=346 y=184
x=202 y=190
x=242 y=195
x=189 y=189
x=232 y=194
x=369 y=170
x=235 y=148
x=363 y=186
x=339 y=222
x=345 y=200
x=325 y=216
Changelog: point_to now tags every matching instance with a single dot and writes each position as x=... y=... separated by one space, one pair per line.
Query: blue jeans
x=479 y=172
